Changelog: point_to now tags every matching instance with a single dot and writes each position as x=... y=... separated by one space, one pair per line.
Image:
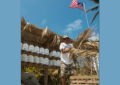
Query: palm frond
x=95 y=16
x=82 y=37
x=56 y=40
x=74 y=53
x=27 y=27
x=46 y=32
x=95 y=1
x=93 y=9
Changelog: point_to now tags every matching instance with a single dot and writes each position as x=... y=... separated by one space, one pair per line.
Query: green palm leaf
x=93 y=9
x=95 y=16
x=95 y=1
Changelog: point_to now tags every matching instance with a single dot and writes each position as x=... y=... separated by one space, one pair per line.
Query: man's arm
x=66 y=50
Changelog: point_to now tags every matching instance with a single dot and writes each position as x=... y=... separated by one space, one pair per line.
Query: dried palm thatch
x=91 y=45
x=74 y=53
x=28 y=37
x=49 y=36
x=37 y=36
x=83 y=47
x=23 y=22
x=33 y=29
x=83 y=37
x=27 y=27
x=47 y=33
x=56 y=40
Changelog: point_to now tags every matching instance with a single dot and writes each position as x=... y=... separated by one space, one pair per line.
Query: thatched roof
x=48 y=39
x=39 y=36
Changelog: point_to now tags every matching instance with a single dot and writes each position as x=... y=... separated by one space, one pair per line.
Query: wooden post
x=45 y=75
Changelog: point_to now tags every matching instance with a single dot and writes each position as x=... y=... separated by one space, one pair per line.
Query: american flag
x=76 y=4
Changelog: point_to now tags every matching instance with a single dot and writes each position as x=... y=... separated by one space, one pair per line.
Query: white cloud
x=94 y=37
x=43 y=22
x=76 y=25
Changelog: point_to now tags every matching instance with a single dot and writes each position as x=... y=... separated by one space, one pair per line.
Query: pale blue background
x=110 y=42
x=10 y=42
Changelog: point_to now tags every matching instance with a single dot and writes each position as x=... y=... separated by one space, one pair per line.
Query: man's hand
x=66 y=50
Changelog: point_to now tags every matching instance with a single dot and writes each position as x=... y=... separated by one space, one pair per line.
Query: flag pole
x=86 y=15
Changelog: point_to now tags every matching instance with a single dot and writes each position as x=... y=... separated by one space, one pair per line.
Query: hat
x=65 y=36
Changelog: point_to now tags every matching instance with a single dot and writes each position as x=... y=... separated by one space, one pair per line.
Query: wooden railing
x=84 y=80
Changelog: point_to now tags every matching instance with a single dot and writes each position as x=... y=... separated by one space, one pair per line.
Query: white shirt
x=65 y=56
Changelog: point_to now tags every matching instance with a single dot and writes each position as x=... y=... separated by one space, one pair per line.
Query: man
x=66 y=62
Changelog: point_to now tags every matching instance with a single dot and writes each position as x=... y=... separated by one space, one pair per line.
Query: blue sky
x=57 y=15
